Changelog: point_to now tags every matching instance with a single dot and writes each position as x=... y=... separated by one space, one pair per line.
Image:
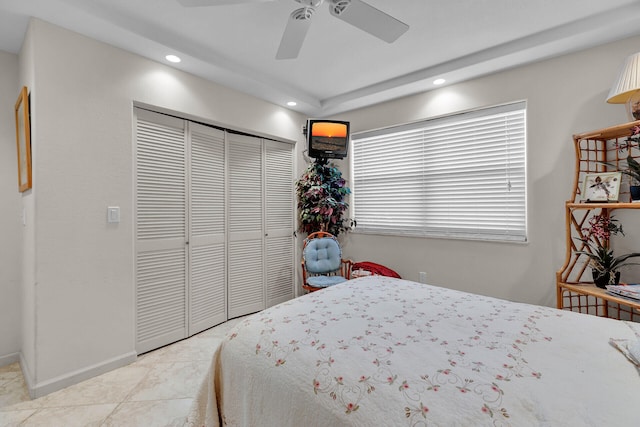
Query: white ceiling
x=339 y=66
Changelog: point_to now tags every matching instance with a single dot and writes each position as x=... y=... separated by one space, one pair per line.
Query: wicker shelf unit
x=575 y=288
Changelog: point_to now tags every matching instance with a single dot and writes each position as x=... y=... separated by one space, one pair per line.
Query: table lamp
x=626 y=90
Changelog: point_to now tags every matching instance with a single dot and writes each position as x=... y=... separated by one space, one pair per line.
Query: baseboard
x=9 y=359
x=25 y=374
x=45 y=387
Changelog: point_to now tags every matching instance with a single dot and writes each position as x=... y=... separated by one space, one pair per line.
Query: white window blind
x=460 y=176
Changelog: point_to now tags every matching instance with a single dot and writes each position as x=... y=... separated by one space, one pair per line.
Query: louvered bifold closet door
x=161 y=266
x=245 y=225
x=279 y=221
x=207 y=258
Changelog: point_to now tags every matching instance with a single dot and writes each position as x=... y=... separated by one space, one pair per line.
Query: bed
x=380 y=351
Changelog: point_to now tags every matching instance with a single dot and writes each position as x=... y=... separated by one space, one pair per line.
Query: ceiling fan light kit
x=354 y=12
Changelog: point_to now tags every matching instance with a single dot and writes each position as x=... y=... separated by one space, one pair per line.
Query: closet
x=214 y=214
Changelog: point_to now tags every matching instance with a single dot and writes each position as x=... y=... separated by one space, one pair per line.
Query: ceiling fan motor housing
x=311 y=3
x=339 y=6
x=358 y=13
x=303 y=13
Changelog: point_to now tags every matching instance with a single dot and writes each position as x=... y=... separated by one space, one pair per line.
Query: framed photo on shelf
x=601 y=187
x=23 y=140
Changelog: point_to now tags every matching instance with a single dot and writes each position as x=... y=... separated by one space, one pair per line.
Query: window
x=459 y=176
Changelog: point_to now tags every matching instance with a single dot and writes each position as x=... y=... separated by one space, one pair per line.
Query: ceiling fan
x=355 y=12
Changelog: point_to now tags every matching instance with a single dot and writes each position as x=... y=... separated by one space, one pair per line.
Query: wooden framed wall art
x=601 y=187
x=23 y=140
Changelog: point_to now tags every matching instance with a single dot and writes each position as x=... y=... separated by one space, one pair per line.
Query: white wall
x=565 y=95
x=82 y=96
x=10 y=211
x=27 y=239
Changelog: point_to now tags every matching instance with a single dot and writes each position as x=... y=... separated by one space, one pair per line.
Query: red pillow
x=374 y=268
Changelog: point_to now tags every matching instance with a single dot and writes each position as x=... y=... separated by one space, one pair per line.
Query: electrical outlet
x=423 y=277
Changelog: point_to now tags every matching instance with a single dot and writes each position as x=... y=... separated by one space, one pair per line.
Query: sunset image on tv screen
x=329 y=130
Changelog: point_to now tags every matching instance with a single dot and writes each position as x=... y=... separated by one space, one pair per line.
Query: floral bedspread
x=378 y=351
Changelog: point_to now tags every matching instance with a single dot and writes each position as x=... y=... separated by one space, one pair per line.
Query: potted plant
x=633 y=171
x=633 y=167
x=322 y=194
x=605 y=267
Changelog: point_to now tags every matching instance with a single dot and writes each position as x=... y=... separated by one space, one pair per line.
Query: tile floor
x=155 y=390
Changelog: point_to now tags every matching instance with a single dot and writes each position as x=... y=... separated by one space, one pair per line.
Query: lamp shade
x=628 y=81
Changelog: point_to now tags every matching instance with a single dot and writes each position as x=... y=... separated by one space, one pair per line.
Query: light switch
x=113 y=214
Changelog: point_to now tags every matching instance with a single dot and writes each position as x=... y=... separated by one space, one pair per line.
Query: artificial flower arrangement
x=322 y=194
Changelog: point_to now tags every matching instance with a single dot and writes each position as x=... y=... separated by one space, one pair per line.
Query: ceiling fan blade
x=199 y=3
x=294 y=33
x=366 y=17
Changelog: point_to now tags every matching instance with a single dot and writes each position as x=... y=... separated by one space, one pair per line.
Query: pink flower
x=602 y=227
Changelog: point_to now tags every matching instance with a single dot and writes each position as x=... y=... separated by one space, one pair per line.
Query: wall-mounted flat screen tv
x=327 y=139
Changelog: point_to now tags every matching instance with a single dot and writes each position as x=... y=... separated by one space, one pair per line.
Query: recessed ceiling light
x=172 y=58
x=292 y=103
x=438 y=81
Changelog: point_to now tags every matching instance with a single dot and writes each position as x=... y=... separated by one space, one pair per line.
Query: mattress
x=380 y=351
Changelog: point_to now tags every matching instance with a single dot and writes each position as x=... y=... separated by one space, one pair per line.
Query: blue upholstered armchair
x=322 y=263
